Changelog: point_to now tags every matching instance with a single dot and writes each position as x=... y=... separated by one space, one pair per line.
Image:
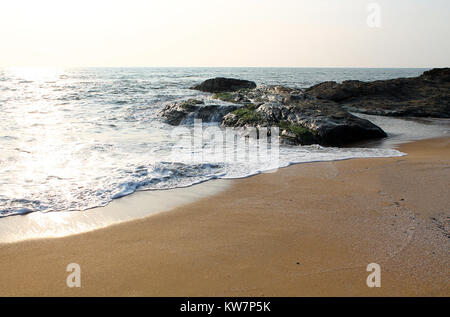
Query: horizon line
x=355 y=67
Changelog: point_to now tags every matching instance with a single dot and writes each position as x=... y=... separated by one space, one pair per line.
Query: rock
x=302 y=120
x=220 y=84
x=437 y=74
x=184 y=112
x=425 y=96
x=213 y=113
x=176 y=112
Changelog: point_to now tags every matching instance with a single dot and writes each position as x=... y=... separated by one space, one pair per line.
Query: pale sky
x=267 y=33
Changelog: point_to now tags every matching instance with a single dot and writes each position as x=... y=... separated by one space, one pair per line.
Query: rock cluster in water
x=319 y=114
x=302 y=119
x=425 y=96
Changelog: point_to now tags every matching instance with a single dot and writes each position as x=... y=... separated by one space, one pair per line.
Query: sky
x=225 y=33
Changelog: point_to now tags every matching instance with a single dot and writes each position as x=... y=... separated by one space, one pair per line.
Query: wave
x=64 y=196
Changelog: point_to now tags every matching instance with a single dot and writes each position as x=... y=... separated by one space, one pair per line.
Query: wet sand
x=306 y=230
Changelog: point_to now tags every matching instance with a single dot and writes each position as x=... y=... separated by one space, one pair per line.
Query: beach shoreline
x=138 y=205
x=307 y=230
x=144 y=203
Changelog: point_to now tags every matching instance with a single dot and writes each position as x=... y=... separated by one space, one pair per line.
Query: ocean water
x=75 y=139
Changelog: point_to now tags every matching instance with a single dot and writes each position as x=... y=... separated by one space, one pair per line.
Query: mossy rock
x=247 y=115
x=224 y=96
x=191 y=104
x=298 y=133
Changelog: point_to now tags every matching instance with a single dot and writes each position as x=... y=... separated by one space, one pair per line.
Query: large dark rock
x=184 y=112
x=221 y=84
x=437 y=74
x=301 y=119
x=425 y=96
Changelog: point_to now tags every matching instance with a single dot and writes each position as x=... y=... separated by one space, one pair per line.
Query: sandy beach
x=306 y=230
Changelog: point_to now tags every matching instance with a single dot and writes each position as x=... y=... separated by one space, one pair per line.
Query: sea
x=76 y=139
